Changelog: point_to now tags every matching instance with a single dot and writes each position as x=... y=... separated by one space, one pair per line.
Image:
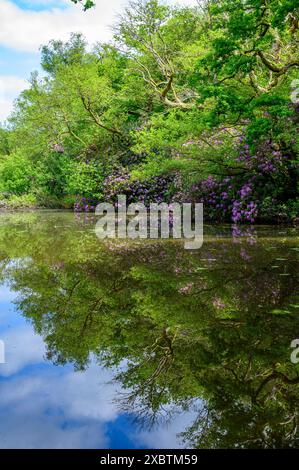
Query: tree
x=85 y=3
x=198 y=97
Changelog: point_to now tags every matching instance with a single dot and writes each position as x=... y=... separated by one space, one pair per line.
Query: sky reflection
x=47 y=406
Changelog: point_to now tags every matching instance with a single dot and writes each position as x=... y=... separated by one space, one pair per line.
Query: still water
x=143 y=344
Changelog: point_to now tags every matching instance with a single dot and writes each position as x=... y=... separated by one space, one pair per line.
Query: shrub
x=16 y=174
x=26 y=201
x=85 y=179
x=156 y=189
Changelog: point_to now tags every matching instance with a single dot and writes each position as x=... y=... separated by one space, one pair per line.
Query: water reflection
x=180 y=334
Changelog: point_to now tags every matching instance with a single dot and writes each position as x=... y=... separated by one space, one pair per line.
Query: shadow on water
x=208 y=331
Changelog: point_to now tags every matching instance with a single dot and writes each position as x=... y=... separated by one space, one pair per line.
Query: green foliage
x=16 y=174
x=85 y=179
x=4 y=144
x=85 y=3
x=173 y=93
x=26 y=201
x=58 y=54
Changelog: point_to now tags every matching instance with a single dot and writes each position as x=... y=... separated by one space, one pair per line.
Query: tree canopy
x=197 y=103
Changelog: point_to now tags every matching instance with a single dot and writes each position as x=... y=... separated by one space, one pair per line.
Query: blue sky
x=39 y=5
x=27 y=24
x=48 y=406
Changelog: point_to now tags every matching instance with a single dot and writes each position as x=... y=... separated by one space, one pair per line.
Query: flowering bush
x=156 y=189
x=256 y=191
x=85 y=204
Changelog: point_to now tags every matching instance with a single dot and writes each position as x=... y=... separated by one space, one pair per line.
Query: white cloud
x=57 y=409
x=6 y=294
x=167 y=436
x=10 y=84
x=10 y=87
x=6 y=107
x=51 y=407
x=43 y=406
x=22 y=348
x=27 y=30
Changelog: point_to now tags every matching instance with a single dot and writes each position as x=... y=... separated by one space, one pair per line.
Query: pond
x=143 y=344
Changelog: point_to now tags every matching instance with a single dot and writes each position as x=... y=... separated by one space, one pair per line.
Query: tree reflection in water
x=208 y=331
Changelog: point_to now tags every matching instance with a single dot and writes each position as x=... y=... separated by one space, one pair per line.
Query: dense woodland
x=184 y=104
